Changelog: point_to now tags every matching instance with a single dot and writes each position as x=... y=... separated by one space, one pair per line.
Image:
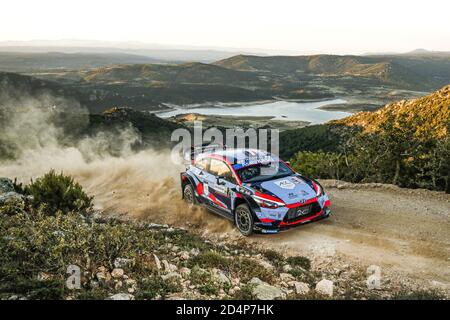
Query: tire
x=189 y=194
x=243 y=218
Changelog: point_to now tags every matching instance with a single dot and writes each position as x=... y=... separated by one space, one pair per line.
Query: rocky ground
x=381 y=242
x=402 y=231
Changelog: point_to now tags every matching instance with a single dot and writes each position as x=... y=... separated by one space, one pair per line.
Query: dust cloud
x=140 y=185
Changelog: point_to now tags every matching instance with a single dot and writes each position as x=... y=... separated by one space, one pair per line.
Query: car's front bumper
x=278 y=226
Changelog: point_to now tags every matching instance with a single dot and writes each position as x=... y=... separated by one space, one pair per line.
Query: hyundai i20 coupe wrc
x=253 y=188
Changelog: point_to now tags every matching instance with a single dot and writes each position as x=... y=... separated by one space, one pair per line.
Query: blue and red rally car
x=253 y=188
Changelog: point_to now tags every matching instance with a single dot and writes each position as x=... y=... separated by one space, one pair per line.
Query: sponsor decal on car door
x=220 y=190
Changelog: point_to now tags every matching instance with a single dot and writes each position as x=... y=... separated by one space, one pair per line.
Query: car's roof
x=241 y=157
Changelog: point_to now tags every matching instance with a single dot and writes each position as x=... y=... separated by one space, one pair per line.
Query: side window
x=220 y=168
x=202 y=164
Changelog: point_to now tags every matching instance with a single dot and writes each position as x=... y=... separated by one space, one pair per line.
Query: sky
x=315 y=26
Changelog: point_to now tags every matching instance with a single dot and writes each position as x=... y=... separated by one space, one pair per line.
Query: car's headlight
x=318 y=189
x=264 y=203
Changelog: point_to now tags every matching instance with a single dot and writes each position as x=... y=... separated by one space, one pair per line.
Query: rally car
x=254 y=188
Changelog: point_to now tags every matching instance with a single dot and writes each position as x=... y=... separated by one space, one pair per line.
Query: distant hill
x=31 y=61
x=24 y=89
x=416 y=52
x=397 y=71
x=154 y=51
x=131 y=86
x=183 y=73
x=428 y=53
x=428 y=115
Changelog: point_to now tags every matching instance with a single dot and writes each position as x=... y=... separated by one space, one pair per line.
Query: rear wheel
x=188 y=194
x=243 y=218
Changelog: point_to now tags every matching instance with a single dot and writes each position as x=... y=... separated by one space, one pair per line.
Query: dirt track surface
x=405 y=232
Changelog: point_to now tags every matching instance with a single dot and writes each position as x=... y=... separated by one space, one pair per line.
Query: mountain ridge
x=392 y=70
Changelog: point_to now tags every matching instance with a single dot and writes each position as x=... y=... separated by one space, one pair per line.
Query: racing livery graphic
x=253 y=188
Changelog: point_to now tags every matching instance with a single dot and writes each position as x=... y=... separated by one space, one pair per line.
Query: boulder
x=267 y=265
x=325 y=287
x=6 y=185
x=168 y=267
x=117 y=273
x=264 y=291
x=286 y=277
x=184 y=255
x=103 y=274
x=122 y=296
x=7 y=192
x=123 y=262
x=287 y=268
x=220 y=276
x=300 y=287
x=185 y=271
x=195 y=252
x=157 y=262
x=171 y=275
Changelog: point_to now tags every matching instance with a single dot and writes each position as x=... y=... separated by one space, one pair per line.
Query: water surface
x=279 y=110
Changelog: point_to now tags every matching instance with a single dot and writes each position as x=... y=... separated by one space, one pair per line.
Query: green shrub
x=34 y=243
x=303 y=276
x=243 y=268
x=420 y=294
x=274 y=256
x=18 y=187
x=58 y=192
x=246 y=293
x=204 y=281
x=299 y=261
x=246 y=269
x=154 y=286
x=35 y=289
x=210 y=259
x=12 y=207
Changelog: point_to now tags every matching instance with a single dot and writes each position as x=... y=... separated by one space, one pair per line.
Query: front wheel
x=244 y=219
x=188 y=194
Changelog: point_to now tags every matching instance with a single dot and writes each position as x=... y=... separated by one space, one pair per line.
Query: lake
x=279 y=110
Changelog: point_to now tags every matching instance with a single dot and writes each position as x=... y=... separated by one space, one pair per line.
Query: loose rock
x=301 y=287
x=325 y=287
x=117 y=273
x=122 y=296
x=264 y=291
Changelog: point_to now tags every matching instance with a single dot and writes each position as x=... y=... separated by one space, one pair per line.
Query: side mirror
x=220 y=180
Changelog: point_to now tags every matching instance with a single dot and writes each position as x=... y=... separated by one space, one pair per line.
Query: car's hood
x=292 y=189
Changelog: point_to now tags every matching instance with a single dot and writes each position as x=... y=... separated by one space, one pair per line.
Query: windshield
x=264 y=171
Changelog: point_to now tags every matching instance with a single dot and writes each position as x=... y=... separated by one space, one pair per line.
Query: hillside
x=405 y=143
x=152 y=131
x=19 y=87
x=429 y=114
x=147 y=86
x=184 y=73
x=118 y=87
x=408 y=72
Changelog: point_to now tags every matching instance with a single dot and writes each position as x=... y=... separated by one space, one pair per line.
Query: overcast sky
x=344 y=26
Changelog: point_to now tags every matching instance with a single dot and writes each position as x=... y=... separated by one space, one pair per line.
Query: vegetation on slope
x=407 y=72
x=427 y=116
x=53 y=254
x=405 y=143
